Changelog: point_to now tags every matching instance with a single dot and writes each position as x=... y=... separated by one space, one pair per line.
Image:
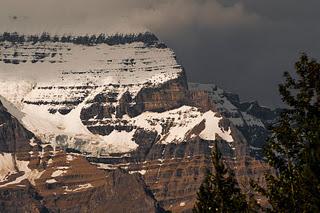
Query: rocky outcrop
x=250 y=118
x=20 y=199
x=37 y=177
x=167 y=96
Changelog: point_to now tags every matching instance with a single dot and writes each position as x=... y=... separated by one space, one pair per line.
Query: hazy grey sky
x=241 y=45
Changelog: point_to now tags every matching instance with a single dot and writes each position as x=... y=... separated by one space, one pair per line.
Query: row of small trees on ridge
x=147 y=38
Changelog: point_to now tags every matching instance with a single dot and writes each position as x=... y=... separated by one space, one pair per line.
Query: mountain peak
x=123 y=101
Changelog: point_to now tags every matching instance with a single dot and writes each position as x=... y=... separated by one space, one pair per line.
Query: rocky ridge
x=250 y=118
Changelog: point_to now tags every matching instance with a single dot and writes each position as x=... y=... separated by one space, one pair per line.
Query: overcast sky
x=242 y=46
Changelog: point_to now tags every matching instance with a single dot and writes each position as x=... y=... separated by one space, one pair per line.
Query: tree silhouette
x=294 y=148
x=219 y=191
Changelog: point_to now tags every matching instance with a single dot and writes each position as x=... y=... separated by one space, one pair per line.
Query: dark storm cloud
x=250 y=59
x=240 y=45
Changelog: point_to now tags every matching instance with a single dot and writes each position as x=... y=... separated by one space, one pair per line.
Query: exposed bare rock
x=36 y=177
x=250 y=118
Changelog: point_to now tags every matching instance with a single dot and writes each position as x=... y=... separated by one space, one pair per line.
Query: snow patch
x=50 y=161
x=79 y=187
x=50 y=181
x=251 y=120
x=70 y=158
x=58 y=173
x=34 y=175
x=142 y=172
x=182 y=204
x=22 y=166
x=32 y=142
x=7 y=167
x=213 y=128
x=118 y=141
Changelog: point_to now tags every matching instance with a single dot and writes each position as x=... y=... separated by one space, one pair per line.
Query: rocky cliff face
x=37 y=177
x=250 y=118
x=128 y=106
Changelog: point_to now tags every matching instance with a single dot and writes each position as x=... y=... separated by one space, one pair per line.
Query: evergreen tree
x=294 y=148
x=219 y=191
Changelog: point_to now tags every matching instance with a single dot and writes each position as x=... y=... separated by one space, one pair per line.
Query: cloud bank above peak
x=120 y=15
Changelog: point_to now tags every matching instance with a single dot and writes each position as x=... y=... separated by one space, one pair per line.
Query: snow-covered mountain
x=71 y=76
x=124 y=101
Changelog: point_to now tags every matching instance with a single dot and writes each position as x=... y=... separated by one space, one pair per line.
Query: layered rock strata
x=129 y=105
x=37 y=177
